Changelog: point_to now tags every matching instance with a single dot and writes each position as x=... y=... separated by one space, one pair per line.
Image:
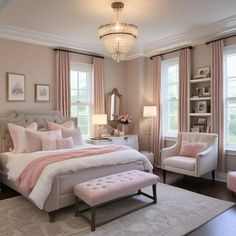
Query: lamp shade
x=99 y=119
x=149 y=111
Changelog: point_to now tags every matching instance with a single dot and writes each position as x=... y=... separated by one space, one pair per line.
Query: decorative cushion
x=191 y=149
x=34 y=139
x=53 y=144
x=180 y=162
x=18 y=136
x=52 y=125
x=65 y=143
x=67 y=132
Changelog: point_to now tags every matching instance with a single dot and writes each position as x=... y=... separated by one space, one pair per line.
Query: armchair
x=195 y=165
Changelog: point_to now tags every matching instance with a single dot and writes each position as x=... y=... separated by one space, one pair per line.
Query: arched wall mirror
x=113 y=100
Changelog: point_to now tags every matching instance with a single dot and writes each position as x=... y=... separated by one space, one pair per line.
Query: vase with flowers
x=125 y=120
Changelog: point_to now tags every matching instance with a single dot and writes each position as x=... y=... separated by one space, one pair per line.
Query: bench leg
x=93 y=221
x=139 y=191
x=154 y=190
x=76 y=207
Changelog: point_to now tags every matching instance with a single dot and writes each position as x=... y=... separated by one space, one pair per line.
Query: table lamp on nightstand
x=149 y=112
x=99 y=120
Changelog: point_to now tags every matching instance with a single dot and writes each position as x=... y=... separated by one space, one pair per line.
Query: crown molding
x=194 y=37
x=46 y=39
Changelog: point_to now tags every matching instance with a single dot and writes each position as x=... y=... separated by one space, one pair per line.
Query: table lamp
x=99 y=120
x=149 y=112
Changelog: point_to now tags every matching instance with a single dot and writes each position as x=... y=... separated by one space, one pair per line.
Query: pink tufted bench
x=231 y=181
x=101 y=191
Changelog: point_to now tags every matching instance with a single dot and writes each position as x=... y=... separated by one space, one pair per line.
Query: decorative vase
x=124 y=129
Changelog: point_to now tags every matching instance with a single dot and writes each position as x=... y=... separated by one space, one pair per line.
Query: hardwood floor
x=222 y=225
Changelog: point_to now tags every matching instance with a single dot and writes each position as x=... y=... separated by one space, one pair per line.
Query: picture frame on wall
x=42 y=92
x=15 y=87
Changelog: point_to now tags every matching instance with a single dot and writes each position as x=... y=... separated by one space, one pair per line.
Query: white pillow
x=18 y=136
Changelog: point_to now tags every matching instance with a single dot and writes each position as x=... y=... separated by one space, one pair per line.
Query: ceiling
x=163 y=24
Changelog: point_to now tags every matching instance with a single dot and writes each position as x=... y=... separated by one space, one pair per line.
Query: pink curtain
x=157 y=129
x=63 y=82
x=98 y=76
x=217 y=102
x=184 y=77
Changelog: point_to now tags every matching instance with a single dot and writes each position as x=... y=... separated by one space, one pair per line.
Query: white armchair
x=203 y=163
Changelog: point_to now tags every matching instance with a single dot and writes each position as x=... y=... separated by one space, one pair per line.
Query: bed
x=61 y=192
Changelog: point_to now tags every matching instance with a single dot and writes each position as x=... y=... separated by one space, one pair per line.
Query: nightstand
x=128 y=140
x=149 y=156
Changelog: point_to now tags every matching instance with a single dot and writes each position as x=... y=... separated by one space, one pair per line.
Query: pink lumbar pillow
x=67 y=132
x=18 y=136
x=191 y=149
x=34 y=139
x=68 y=124
x=53 y=144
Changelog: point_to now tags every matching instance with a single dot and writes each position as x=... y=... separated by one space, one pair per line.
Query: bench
x=102 y=191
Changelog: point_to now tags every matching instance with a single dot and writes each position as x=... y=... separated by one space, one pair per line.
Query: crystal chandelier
x=118 y=36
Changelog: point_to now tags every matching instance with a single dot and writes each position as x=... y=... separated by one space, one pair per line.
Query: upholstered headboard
x=24 y=118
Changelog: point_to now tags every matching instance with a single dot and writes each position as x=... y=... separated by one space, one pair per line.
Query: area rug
x=177 y=212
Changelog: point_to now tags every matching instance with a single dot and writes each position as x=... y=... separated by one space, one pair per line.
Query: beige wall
x=38 y=65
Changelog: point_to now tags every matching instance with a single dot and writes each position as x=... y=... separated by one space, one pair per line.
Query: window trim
x=164 y=103
x=229 y=50
x=84 y=67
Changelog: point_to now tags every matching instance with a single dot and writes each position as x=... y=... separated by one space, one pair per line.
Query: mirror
x=113 y=100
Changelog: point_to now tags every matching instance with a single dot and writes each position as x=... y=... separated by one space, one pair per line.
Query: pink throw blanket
x=29 y=176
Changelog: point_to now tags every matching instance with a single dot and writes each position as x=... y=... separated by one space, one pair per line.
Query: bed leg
x=52 y=216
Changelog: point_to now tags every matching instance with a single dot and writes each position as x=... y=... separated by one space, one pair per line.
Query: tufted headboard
x=24 y=118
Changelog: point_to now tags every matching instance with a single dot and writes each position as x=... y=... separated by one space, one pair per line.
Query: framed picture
x=15 y=87
x=202 y=107
x=42 y=92
x=203 y=71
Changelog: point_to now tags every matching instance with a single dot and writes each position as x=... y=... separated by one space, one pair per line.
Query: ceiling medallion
x=118 y=36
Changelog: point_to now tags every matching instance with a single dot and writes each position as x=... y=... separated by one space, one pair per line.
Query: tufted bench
x=101 y=191
x=231 y=181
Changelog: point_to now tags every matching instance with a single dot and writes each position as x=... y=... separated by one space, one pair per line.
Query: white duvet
x=18 y=162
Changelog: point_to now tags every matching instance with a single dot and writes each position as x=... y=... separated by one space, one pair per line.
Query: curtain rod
x=226 y=37
x=176 y=50
x=81 y=53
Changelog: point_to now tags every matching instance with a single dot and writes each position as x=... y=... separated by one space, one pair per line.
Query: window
x=81 y=96
x=170 y=96
x=230 y=97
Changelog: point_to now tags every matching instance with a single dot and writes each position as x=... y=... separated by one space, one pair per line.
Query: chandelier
x=118 y=36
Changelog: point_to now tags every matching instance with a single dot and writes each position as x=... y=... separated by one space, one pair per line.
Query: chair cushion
x=180 y=162
x=192 y=149
x=110 y=187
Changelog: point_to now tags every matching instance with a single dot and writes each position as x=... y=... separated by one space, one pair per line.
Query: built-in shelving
x=194 y=81
x=199 y=114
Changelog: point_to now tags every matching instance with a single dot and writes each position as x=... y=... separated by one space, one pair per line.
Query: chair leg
x=154 y=190
x=213 y=175
x=164 y=176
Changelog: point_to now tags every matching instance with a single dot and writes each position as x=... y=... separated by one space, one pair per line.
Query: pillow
x=191 y=149
x=53 y=144
x=18 y=136
x=65 y=143
x=52 y=125
x=34 y=139
x=67 y=132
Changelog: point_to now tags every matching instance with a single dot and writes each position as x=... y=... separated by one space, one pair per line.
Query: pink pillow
x=68 y=124
x=53 y=144
x=67 y=132
x=65 y=143
x=19 y=137
x=191 y=149
x=34 y=139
